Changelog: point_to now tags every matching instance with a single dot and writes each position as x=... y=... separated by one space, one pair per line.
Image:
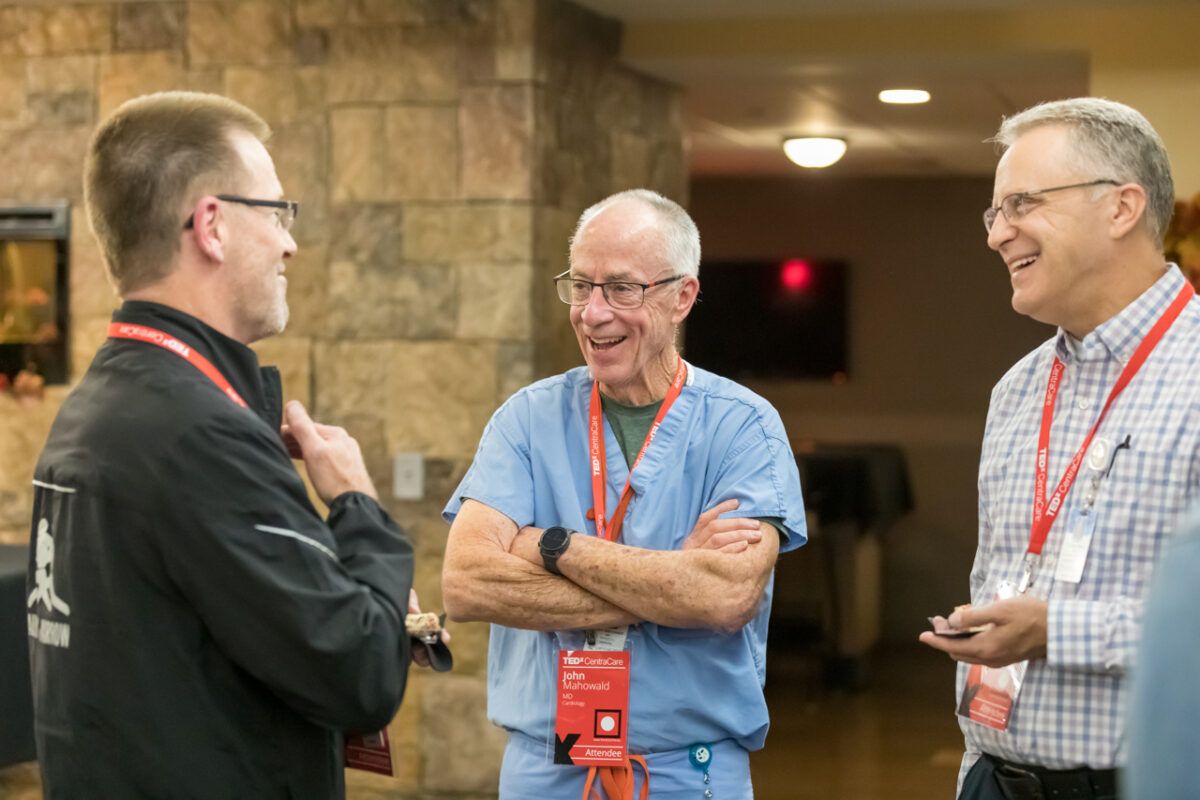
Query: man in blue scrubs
x=681 y=574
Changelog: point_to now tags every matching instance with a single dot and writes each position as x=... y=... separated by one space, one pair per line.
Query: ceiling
x=755 y=71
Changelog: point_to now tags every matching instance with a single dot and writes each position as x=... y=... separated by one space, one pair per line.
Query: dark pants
x=994 y=779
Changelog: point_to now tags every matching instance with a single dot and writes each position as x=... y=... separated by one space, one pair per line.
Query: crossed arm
x=493 y=572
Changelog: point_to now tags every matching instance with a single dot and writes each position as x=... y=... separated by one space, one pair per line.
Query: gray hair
x=1111 y=140
x=680 y=236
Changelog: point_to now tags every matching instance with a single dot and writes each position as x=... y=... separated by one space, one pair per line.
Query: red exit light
x=795 y=275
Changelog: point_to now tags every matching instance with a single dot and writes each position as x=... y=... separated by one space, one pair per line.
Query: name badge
x=593 y=708
x=607 y=638
x=1076 y=543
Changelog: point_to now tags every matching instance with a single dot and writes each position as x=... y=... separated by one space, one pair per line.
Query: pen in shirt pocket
x=1112 y=459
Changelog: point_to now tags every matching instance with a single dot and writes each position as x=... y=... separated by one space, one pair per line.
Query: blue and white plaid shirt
x=1070 y=710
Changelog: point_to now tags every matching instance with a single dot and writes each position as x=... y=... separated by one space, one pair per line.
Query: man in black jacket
x=196 y=629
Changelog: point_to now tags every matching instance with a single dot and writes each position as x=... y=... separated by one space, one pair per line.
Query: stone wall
x=441 y=151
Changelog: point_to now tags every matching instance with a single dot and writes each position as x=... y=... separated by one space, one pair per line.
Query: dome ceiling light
x=814 y=151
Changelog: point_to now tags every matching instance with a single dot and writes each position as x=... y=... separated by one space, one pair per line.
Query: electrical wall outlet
x=408 y=476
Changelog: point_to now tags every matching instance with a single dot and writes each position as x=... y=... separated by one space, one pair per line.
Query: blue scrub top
x=718 y=441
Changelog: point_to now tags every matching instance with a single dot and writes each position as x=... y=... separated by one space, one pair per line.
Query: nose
x=289 y=245
x=1002 y=231
x=597 y=309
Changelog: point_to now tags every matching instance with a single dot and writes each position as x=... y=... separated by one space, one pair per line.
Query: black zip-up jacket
x=196 y=629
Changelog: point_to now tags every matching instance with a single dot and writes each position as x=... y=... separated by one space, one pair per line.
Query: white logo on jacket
x=47 y=631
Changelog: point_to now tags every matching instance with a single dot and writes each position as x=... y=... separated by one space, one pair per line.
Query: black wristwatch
x=552 y=544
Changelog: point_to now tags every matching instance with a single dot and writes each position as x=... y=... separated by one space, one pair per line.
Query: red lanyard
x=1046 y=510
x=123 y=330
x=599 y=466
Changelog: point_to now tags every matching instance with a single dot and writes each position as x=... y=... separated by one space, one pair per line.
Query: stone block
x=352 y=377
x=308 y=280
x=668 y=170
x=12 y=91
x=514 y=367
x=293 y=356
x=381 y=65
x=630 y=161
x=87 y=335
x=320 y=13
x=92 y=296
x=74 y=108
x=368 y=235
x=229 y=32
x=149 y=26
x=310 y=46
x=210 y=80
x=515 y=42
x=427 y=580
x=401 y=300
x=421 y=153
x=14 y=39
x=497 y=142
x=357 y=155
x=460 y=749
x=124 y=76
x=300 y=152
x=280 y=97
x=42 y=163
x=61 y=74
x=619 y=100
x=66 y=29
x=493 y=232
x=494 y=301
x=442 y=394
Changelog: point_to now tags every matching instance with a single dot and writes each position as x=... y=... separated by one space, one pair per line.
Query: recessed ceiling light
x=814 y=151
x=904 y=96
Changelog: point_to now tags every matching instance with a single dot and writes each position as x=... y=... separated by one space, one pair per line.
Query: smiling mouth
x=1021 y=263
x=605 y=344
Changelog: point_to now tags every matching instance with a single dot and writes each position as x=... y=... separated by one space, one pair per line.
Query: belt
x=1029 y=782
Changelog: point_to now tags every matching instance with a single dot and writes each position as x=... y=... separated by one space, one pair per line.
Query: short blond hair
x=148 y=164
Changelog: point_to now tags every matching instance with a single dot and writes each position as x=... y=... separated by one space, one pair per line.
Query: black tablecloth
x=863 y=483
x=16 y=700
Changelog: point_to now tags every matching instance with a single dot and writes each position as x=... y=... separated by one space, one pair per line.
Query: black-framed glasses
x=1016 y=205
x=285 y=211
x=618 y=294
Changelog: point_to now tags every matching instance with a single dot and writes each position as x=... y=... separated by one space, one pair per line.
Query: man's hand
x=419 y=656
x=332 y=457
x=729 y=535
x=1018 y=633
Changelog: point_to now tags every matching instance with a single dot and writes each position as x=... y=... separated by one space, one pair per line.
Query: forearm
x=509 y=591
x=678 y=588
x=1093 y=636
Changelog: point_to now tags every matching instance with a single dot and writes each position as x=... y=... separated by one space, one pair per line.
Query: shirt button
x=1084 y=404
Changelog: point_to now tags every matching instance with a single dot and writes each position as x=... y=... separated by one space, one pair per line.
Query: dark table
x=853 y=494
x=16 y=698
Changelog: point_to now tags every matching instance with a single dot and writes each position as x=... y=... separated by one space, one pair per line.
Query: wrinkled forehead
x=622 y=242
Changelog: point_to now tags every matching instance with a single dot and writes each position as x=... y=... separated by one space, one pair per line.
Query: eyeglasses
x=285 y=210
x=618 y=294
x=1015 y=206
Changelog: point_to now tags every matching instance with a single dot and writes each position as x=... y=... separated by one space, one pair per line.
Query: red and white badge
x=593 y=708
x=370 y=752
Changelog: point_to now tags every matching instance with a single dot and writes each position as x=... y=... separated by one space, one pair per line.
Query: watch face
x=554 y=538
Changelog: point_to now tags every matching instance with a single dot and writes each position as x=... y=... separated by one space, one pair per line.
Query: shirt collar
x=259 y=386
x=1119 y=336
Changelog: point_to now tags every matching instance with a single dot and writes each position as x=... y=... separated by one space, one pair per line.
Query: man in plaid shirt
x=1091 y=451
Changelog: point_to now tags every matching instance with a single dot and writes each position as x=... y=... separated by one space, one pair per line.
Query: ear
x=1128 y=211
x=688 y=290
x=208 y=228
